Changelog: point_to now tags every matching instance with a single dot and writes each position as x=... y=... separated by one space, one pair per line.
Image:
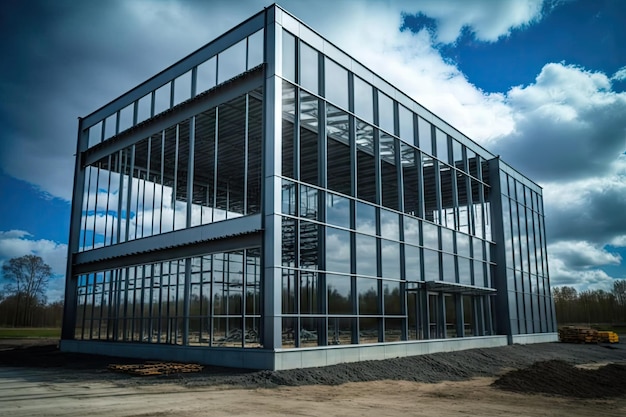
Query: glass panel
x=308 y=202
x=182 y=88
x=309 y=161
x=231 y=62
x=336 y=84
x=289 y=56
x=365 y=252
x=289 y=100
x=255 y=141
x=389 y=171
x=339 y=176
x=367 y=290
x=450 y=304
x=337 y=250
x=447 y=242
x=289 y=194
x=465 y=276
x=204 y=169
x=288 y=242
x=390 y=258
x=230 y=165
x=462 y=245
x=337 y=210
x=363 y=100
x=406 y=124
x=389 y=224
x=442 y=145
x=309 y=68
x=309 y=293
x=206 y=75
x=126 y=117
x=339 y=297
x=365 y=162
x=430 y=235
x=410 y=179
x=425 y=136
x=448 y=271
x=309 y=245
x=431 y=265
x=457 y=155
x=431 y=197
x=412 y=263
x=411 y=230
x=385 y=113
x=340 y=330
x=392 y=298
x=365 y=218
x=255 y=49
x=446 y=175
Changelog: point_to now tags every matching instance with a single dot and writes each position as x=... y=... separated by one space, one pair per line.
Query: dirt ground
x=37 y=379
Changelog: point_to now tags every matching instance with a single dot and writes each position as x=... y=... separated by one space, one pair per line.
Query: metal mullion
x=147 y=180
x=186 y=301
x=150 y=306
x=162 y=176
x=160 y=308
x=190 y=169
x=215 y=150
x=175 y=186
x=129 y=192
x=142 y=302
x=172 y=90
x=95 y=208
x=93 y=304
x=88 y=169
x=211 y=312
x=245 y=168
x=194 y=81
x=84 y=307
x=101 y=306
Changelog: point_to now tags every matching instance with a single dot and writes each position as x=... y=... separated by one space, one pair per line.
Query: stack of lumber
x=608 y=337
x=572 y=334
x=156 y=368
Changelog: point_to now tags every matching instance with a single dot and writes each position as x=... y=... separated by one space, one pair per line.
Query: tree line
x=591 y=306
x=23 y=300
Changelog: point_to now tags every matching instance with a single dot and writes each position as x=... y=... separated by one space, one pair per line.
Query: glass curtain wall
x=211 y=300
x=376 y=201
x=530 y=303
x=163 y=183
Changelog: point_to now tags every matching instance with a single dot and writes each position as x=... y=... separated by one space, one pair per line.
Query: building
x=269 y=202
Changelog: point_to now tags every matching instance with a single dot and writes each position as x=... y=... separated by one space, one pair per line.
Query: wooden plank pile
x=608 y=337
x=573 y=334
x=156 y=368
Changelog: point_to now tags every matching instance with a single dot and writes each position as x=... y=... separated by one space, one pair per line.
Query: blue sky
x=542 y=83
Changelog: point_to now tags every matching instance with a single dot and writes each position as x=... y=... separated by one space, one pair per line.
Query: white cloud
x=16 y=243
x=620 y=75
x=488 y=20
x=582 y=254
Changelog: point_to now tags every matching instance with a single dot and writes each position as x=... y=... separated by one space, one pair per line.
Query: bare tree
x=26 y=279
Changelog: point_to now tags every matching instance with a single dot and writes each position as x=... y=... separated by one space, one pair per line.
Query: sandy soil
x=39 y=380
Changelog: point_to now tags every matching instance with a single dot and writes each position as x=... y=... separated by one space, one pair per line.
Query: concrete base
x=281 y=358
x=525 y=339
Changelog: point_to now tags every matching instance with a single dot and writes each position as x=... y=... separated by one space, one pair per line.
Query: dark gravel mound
x=556 y=377
x=437 y=367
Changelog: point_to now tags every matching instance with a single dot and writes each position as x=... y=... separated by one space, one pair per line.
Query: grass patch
x=29 y=332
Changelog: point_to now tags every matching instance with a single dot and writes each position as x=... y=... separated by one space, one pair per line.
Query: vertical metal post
x=272 y=145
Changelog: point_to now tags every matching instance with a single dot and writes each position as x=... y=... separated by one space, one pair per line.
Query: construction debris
x=608 y=337
x=573 y=334
x=156 y=368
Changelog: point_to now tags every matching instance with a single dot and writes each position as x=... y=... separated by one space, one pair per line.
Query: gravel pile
x=556 y=377
x=451 y=366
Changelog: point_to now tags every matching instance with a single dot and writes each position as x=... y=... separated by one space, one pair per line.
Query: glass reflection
x=337 y=250
x=339 y=298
